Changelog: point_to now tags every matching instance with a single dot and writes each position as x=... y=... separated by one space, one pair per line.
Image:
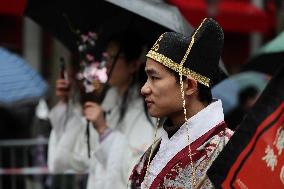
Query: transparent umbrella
x=228 y=90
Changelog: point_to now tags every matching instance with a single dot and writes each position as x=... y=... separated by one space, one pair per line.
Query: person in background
x=247 y=98
x=122 y=128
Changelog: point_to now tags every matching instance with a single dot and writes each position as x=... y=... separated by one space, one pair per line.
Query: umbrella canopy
x=269 y=58
x=254 y=158
x=229 y=89
x=150 y=18
x=18 y=81
x=158 y=12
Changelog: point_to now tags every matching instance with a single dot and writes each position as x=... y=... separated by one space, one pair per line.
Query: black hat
x=196 y=56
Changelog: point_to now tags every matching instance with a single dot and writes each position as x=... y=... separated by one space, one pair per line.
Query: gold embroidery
x=175 y=66
x=156 y=46
x=191 y=43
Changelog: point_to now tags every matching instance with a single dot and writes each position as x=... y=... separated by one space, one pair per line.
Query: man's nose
x=145 y=90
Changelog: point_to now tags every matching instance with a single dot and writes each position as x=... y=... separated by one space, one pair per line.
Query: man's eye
x=154 y=78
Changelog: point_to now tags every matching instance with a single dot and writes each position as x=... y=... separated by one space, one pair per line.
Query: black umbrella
x=269 y=58
x=148 y=17
x=63 y=18
x=254 y=156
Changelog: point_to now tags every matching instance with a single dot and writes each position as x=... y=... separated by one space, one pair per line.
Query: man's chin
x=155 y=114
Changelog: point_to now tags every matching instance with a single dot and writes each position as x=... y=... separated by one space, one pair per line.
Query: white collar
x=198 y=125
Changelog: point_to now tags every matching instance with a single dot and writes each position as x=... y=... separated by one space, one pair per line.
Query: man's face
x=161 y=91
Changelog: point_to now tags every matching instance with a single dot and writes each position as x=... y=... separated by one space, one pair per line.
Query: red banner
x=254 y=156
x=261 y=163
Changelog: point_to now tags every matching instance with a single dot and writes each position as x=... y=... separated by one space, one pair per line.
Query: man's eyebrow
x=151 y=71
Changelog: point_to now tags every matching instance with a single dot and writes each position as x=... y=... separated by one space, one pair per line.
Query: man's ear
x=190 y=86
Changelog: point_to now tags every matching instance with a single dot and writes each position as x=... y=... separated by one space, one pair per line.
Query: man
x=246 y=97
x=180 y=72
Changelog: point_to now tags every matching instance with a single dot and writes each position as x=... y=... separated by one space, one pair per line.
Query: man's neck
x=177 y=119
x=170 y=128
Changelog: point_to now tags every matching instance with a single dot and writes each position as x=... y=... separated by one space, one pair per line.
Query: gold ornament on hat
x=156 y=46
x=175 y=66
x=166 y=61
x=193 y=181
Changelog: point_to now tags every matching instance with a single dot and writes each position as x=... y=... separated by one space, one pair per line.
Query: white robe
x=112 y=159
x=170 y=166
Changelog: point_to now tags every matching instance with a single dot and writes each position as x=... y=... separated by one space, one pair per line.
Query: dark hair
x=131 y=46
x=247 y=93
x=204 y=92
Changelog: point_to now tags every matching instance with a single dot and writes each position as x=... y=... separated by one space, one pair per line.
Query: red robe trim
x=181 y=160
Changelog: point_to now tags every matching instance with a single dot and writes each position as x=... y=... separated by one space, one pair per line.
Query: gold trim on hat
x=176 y=67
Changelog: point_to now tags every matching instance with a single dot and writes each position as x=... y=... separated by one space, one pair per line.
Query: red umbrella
x=235 y=16
x=12 y=7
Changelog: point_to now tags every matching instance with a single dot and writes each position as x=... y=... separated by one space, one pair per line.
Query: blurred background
x=30 y=52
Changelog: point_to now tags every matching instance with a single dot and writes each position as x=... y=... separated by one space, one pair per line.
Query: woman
x=122 y=131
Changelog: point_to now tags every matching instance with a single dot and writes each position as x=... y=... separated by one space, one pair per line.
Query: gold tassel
x=193 y=179
x=152 y=146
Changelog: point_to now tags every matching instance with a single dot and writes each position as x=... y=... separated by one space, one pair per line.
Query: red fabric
x=254 y=172
x=233 y=16
x=12 y=7
x=135 y=176
x=182 y=158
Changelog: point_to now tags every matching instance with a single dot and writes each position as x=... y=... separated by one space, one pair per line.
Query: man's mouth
x=149 y=102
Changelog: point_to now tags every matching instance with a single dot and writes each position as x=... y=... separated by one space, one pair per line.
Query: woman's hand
x=94 y=113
